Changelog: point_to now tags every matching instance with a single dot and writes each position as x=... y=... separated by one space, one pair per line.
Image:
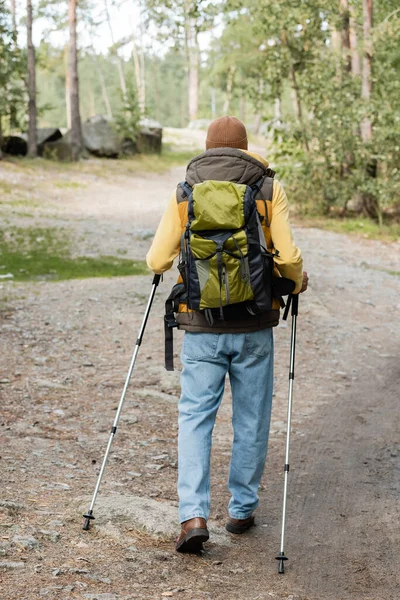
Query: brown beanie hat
x=226 y=132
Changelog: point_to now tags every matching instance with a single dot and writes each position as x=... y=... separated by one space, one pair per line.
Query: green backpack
x=224 y=261
x=223 y=258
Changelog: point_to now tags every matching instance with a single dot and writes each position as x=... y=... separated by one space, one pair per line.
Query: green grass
x=104 y=167
x=6 y=188
x=32 y=254
x=382 y=269
x=74 y=185
x=364 y=227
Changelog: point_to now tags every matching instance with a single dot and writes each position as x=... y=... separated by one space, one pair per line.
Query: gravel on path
x=65 y=350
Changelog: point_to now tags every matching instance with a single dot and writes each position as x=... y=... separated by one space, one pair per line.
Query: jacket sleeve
x=166 y=243
x=289 y=262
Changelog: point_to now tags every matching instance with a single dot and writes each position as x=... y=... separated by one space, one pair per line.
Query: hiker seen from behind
x=229 y=224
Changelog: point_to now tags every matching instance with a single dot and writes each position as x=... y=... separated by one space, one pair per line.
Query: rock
x=59 y=412
x=160 y=519
x=101 y=597
x=57 y=523
x=28 y=542
x=51 y=385
x=16 y=145
x=55 y=485
x=4 y=548
x=11 y=565
x=101 y=138
x=152 y=393
x=55 y=588
x=129 y=419
x=153 y=467
x=4 y=381
x=149 y=138
x=47 y=135
x=59 y=150
x=7 y=276
x=54 y=536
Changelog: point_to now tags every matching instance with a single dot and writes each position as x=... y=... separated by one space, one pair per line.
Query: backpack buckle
x=170 y=320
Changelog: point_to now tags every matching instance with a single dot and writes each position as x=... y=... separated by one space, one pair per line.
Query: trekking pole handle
x=295 y=305
x=156 y=279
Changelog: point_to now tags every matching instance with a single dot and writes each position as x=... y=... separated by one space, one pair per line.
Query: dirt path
x=65 y=350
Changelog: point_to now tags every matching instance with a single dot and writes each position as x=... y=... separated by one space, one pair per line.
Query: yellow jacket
x=166 y=244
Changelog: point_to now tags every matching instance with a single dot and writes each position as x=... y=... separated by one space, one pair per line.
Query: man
x=241 y=347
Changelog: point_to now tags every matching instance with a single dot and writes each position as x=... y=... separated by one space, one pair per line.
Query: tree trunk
x=92 y=101
x=213 y=104
x=366 y=89
x=298 y=104
x=14 y=22
x=67 y=87
x=345 y=33
x=76 y=126
x=104 y=91
x=260 y=105
x=355 y=57
x=156 y=90
x=192 y=58
x=142 y=97
x=1 y=136
x=139 y=76
x=120 y=66
x=242 y=106
x=229 y=86
x=32 y=136
x=370 y=203
x=193 y=76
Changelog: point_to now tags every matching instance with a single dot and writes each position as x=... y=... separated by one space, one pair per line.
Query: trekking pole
x=293 y=300
x=89 y=515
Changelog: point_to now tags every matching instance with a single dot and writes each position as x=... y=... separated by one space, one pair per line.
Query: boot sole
x=193 y=541
x=239 y=528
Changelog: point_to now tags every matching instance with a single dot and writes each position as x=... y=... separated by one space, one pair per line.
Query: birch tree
x=76 y=126
x=366 y=88
x=32 y=110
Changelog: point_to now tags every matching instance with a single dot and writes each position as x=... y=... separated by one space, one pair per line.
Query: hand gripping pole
x=293 y=301
x=89 y=515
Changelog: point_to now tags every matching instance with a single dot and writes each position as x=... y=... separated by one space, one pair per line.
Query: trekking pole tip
x=88 y=517
x=281 y=564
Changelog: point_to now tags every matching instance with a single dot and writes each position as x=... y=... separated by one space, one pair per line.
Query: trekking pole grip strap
x=156 y=279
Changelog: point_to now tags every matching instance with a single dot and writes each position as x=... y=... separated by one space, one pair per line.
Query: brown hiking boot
x=193 y=533
x=239 y=525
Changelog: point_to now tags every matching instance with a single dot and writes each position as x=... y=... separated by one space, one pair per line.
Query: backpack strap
x=171 y=307
x=265 y=191
x=183 y=192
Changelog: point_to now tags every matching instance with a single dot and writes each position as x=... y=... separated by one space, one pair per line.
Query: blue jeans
x=206 y=359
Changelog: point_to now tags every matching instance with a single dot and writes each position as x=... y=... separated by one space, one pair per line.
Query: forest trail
x=65 y=349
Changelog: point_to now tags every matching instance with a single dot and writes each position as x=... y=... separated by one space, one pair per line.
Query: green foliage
x=12 y=73
x=127 y=120
x=316 y=142
x=44 y=254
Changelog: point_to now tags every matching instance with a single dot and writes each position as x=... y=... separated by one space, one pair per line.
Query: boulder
x=17 y=145
x=46 y=135
x=149 y=138
x=58 y=150
x=100 y=137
